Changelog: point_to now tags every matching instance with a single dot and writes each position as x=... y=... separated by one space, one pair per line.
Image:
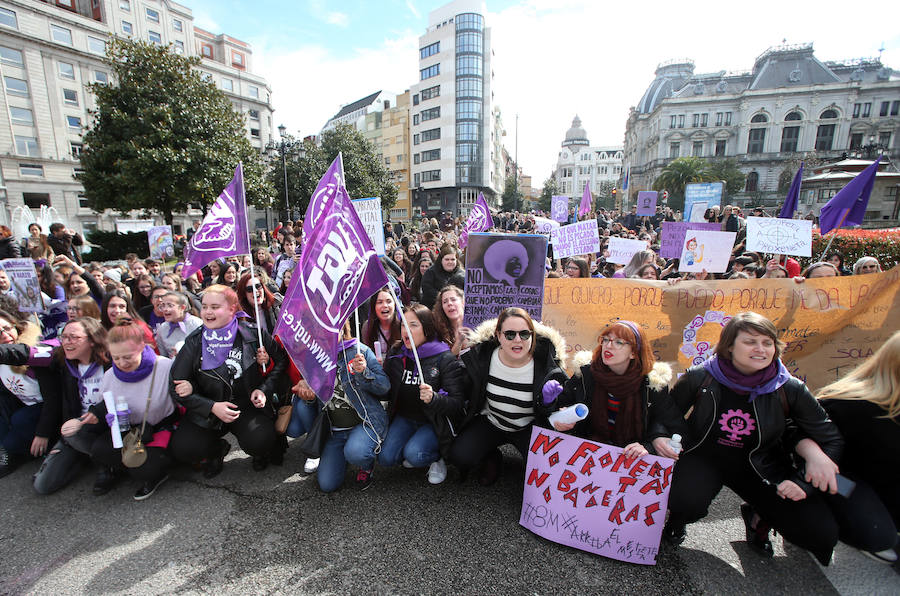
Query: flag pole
x=253 y=278
x=408 y=332
x=358 y=336
x=827 y=246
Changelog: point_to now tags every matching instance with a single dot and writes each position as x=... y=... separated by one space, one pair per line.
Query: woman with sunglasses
x=510 y=360
x=250 y=290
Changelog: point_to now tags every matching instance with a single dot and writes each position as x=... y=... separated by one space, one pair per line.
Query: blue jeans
x=355 y=446
x=410 y=440
x=302 y=417
x=17 y=428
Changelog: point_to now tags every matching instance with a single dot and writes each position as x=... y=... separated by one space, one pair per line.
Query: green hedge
x=884 y=245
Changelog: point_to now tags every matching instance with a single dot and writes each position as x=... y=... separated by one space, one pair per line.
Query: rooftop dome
x=671 y=76
x=576 y=136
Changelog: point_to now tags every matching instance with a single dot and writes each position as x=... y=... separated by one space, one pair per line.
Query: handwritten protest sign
x=829 y=325
x=672 y=236
x=779 y=236
x=369 y=211
x=709 y=193
x=622 y=249
x=161 y=243
x=646 y=202
x=502 y=271
x=706 y=250
x=697 y=211
x=578 y=238
x=23 y=281
x=542 y=225
x=589 y=496
x=559 y=209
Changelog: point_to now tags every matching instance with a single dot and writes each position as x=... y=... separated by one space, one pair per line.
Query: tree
x=511 y=199
x=604 y=195
x=162 y=138
x=678 y=174
x=364 y=170
x=727 y=171
x=545 y=203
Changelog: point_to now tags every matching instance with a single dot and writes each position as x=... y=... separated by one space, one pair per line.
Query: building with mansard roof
x=579 y=164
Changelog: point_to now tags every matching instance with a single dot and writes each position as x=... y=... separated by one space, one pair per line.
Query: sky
x=553 y=59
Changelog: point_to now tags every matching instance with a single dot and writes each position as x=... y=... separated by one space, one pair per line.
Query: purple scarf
x=216 y=344
x=346 y=344
x=768 y=380
x=148 y=359
x=426 y=350
x=73 y=370
x=174 y=327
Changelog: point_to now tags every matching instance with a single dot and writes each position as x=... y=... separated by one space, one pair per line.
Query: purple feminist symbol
x=506 y=261
x=218 y=230
x=736 y=423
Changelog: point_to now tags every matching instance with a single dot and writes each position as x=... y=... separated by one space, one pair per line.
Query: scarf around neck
x=91 y=370
x=626 y=388
x=767 y=380
x=216 y=343
x=148 y=360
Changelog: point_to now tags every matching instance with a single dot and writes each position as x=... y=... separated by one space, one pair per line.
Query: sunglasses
x=251 y=289
x=525 y=335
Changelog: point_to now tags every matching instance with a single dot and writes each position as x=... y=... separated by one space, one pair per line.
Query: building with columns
x=580 y=164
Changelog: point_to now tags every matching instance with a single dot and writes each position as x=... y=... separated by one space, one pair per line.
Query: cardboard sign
x=775 y=235
x=701 y=192
x=24 y=283
x=622 y=249
x=559 y=209
x=542 y=225
x=162 y=246
x=369 y=211
x=646 y=202
x=672 y=236
x=578 y=238
x=587 y=495
x=706 y=250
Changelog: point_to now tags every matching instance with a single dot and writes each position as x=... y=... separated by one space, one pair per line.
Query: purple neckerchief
x=216 y=343
x=765 y=381
x=346 y=344
x=426 y=350
x=148 y=359
x=175 y=326
x=91 y=370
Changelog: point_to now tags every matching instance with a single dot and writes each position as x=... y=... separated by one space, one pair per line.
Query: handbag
x=134 y=452
x=283 y=419
x=317 y=436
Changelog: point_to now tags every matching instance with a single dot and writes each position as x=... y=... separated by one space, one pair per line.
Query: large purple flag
x=793 y=196
x=324 y=195
x=338 y=270
x=586 y=201
x=848 y=206
x=479 y=220
x=223 y=232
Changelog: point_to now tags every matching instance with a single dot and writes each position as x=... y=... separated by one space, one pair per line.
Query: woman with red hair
x=251 y=289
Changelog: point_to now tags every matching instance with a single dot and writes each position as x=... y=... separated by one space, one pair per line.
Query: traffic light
x=614 y=192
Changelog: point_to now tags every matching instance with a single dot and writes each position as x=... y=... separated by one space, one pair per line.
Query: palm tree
x=678 y=174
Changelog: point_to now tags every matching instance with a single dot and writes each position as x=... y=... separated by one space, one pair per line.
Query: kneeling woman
x=231 y=385
x=738 y=403
x=619 y=384
x=510 y=360
x=425 y=410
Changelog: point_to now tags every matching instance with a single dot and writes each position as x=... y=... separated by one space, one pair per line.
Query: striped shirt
x=612 y=408
x=509 y=405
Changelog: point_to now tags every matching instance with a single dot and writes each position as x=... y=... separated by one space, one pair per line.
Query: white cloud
x=412 y=9
x=205 y=21
x=337 y=18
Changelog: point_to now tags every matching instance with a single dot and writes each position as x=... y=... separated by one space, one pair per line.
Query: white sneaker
x=407 y=465
x=888 y=556
x=311 y=465
x=437 y=472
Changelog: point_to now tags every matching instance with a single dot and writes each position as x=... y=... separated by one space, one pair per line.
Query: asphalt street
x=274 y=532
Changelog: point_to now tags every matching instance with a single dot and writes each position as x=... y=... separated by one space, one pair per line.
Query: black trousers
x=697 y=480
x=254 y=431
x=864 y=520
x=478 y=438
x=155 y=467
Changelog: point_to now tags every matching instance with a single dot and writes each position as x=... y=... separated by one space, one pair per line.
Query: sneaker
x=311 y=465
x=8 y=462
x=105 y=481
x=364 y=479
x=213 y=467
x=148 y=488
x=407 y=465
x=437 y=472
x=888 y=556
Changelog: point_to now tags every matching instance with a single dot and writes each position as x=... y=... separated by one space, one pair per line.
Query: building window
x=253 y=114
x=759 y=118
x=83 y=202
x=126 y=28
x=21 y=116
x=66 y=71
x=431 y=175
x=8 y=18
x=697 y=149
x=752 y=182
x=227 y=84
x=727 y=118
x=681 y=121
x=431 y=113
x=96 y=45
x=431 y=155
x=885 y=107
x=857 y=107
x=237 y=59
x=856 y=141
x=254 y=92
x=206 y=50
x=417 y=157
x=895 y=108
x=76 y=149
x=720 y=148
x=757 y=141
x=254 y=132
x=673 y=121
x=704 y=120
x=824 y=137
x=884 y=139
x=415 y=139
x=789 y=138
x=61 y=34
x=34 y=200
x=828 y=115
x=432 y=71
x=74 y=122
x=179 y=46
x=27 y=146
x=431 y=135
x=416 y=99
x=152 y=15
x=125 y=5
x=177 y=25
x=696 y=120
x=11 y=57
x=791 y=117
x=30 y=169
x=70 y=97
x=417 y=178
x=429 y=50
x=719 y=118
x=101 y=77
x=16 y=86
x=415 y=119
x=867 y=109
x=431 y=92
x=674 y=150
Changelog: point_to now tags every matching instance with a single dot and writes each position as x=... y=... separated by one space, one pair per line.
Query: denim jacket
x=365 y=389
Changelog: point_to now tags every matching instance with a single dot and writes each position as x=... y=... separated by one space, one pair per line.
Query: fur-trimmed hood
x=485 y=332
x=659 y=377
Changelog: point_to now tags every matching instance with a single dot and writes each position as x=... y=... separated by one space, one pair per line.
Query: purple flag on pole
x=324 y=195
x=479 y=220
x=627 y=174
x=223 y=232
x=848 y=206
x=793 y=196
x=338 y=270
x=586 y=201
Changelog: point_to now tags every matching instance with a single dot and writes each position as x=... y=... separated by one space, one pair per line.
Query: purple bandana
x=148 y=359
x=765 y=381
x=346 y=344
x=426 y=350
x=216 y=344
x=73 y=370
x=173 y=327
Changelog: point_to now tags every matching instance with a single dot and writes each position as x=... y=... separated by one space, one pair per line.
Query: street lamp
x=872 y=148
x=283 y=147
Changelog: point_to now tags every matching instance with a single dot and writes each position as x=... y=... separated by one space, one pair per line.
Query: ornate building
x=579 y=163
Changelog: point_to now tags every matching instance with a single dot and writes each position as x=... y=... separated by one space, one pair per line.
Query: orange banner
x=829 y=324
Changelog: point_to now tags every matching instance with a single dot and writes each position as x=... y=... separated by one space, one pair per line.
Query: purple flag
x=338 y=270
x=559 y=208
x=223 y=232
x=793 y=195
x=586 y=201
x=627 y=174
x=324 y=195
x=848 y=206
x=479 y=220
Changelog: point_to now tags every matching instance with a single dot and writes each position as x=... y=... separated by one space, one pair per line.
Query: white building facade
x=579 y=164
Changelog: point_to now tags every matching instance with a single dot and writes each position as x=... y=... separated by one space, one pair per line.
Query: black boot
x=276 y=458
x=214 y=465
x=757 y=533
x=9 y=462
x=105 y=481
x=675 y=531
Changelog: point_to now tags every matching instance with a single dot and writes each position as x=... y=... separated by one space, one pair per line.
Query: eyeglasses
x=251 y=289
x=618 y=343
x=524 y=334
x=71 y=339
x=7 y=329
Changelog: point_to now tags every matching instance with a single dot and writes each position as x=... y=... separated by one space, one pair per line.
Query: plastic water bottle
x=122 y=414
x=675 y=443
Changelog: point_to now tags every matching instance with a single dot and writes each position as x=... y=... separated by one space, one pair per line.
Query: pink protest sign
x=589 y=496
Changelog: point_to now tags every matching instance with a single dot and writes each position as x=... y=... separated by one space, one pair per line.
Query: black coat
x=436 y=278
x=9 y=249
x=62 y=400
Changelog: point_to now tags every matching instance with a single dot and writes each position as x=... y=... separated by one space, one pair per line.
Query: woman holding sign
x=738 y=404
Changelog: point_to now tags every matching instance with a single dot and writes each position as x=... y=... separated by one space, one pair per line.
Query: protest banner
x=542 y=225
x=829 y=325
x=502 y=271
x=672 y=236
x=706 y=250
x=646 y=202
x=162 y=246
x=578 y=238
x=589 y=496
x=622 y=249
x=559 y=209
x=24 y=283
x=775 y=235
x=701 y=192
x=369 y=212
